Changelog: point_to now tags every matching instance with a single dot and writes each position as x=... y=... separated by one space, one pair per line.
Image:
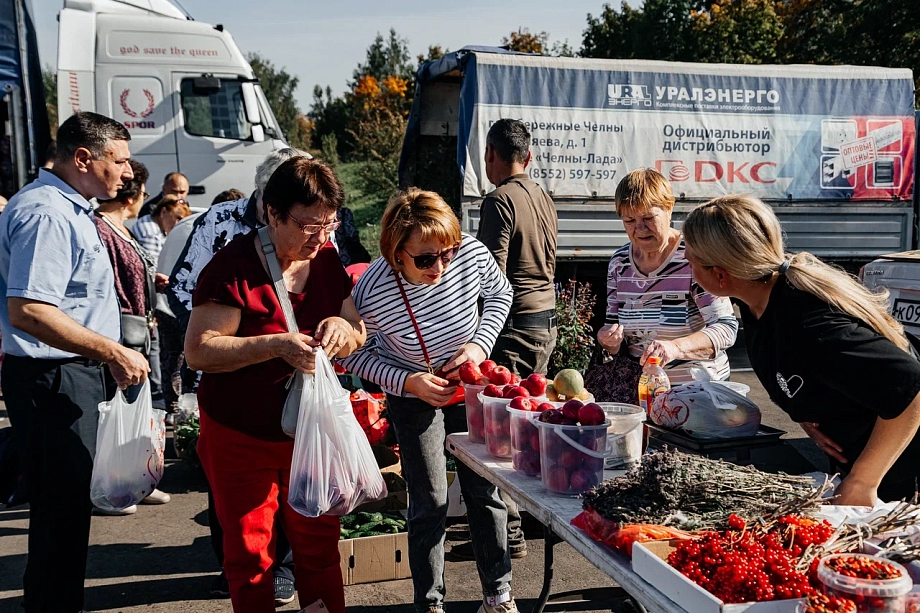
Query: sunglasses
x=427 y=260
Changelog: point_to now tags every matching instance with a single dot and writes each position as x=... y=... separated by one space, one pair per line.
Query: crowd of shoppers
x=205 y=285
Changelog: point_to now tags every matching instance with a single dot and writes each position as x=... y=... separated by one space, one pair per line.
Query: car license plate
x=906 y=311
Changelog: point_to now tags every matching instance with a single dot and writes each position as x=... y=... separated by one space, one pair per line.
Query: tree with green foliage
x=737 y=32
x=526 y=42
x=386 y=57
x=279 y=86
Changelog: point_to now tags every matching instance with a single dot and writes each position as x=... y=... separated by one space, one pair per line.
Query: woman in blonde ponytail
x=823 y=346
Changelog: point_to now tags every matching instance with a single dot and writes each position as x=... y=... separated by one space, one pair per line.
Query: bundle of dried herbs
x=691 y=492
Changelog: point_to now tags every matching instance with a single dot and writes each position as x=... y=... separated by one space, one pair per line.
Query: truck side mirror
x=258 y=134
x=251 y=103
x=205 y=85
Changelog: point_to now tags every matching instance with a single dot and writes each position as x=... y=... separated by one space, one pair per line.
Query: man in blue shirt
x=61 y=324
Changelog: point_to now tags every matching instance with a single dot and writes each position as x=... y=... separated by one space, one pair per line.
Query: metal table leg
x=549 y=540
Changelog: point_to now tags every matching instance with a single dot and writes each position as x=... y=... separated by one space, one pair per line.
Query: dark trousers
x=53 y=409
x=171 y=336
x=524 y=351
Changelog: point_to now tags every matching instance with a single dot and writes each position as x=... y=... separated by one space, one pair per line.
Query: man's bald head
x=176 y=184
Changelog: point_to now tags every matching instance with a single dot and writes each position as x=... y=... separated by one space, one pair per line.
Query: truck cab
x=182 y=88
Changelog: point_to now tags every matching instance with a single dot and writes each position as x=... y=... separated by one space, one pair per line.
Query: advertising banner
x=775 y=132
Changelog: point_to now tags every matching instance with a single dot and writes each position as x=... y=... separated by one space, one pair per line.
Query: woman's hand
x=471 y=352
x=297 y=350
x=432 y=389
x=610 y=337
x=162 y=282
x=668 y=351
x=823 y=441
x=333 y=333
x=856 y=493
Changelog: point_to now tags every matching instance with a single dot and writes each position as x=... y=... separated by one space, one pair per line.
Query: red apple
x=500 y=375
x=515 y=379
x=516 y=457
x=571 y=458
x=570 y=409
x=474 y=420
x=486 y=367
x=568 y=421
x=514 y=391
x=558 y=480
x=582 y=480
x=482 y=381
x=521 y=403
x=535 y=384
x=470 y=373
x=551 y=416
x=545 y=406
x=590 y=414
x=535 y=442
x=492 y=391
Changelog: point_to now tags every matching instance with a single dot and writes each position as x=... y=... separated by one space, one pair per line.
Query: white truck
x=182 y=88
x=830 y=148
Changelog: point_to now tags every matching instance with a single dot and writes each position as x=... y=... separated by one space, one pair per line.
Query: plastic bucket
x=475 y=423
x=572 y=457
x=885 y=595
x=525 y=442
x=497 y=426
x=624 y=434
x=734 y=386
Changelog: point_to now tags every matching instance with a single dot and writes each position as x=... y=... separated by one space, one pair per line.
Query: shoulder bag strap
x=418 y=331
x=268 y=248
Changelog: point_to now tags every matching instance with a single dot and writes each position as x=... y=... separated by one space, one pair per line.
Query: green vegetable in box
x=185 y=439
x=360 y=525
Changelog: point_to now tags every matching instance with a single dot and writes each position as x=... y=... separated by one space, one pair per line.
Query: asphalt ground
x=160 y=560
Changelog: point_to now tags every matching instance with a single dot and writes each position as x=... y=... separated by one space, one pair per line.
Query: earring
x=398 y=261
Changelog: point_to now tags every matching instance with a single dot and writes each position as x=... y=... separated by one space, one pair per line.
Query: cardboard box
x=455 y=505
x=650 y=561
x=375 y=558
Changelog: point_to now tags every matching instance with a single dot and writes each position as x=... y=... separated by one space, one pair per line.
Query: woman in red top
x=237 y=336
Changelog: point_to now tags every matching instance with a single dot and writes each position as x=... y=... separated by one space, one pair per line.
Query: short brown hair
x=228 y=195
x=172 y=204
x=643 y=189
x=416 y=209
x=301 y=180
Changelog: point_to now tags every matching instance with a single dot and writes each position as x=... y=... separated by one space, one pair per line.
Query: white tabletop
x=556 y=512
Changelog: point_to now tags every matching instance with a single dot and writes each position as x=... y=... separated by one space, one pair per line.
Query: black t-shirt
x=821 y=365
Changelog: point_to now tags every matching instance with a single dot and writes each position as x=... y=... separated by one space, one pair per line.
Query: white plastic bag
x=706 y=410
x=333 y=469
x=130 y=441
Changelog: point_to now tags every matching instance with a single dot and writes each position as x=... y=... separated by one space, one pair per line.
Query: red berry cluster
x=743 y=565
x=863 y=567
x=822 y=603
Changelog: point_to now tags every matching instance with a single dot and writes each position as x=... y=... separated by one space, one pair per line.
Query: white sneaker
x=156 y=497
x=106 y=512
x=506 y=607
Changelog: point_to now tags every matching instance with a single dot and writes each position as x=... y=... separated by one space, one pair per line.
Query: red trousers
x=249 y=478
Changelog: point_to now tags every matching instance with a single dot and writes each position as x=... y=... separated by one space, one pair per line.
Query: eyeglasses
x=427 y=260
x=146 y=195
x=181 y=201
x=311 y=229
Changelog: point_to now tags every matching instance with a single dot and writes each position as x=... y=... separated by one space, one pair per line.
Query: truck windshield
x=219 y=115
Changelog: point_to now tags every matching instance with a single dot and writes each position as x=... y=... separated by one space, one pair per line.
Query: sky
x=322 y=42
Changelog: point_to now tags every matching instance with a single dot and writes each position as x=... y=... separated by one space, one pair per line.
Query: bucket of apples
x=495 y=401
x=573 y=445
x=474 y=380
x=525 y=437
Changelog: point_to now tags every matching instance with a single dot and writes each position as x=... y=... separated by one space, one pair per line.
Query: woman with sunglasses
x=420 y=304
x=238 y=337
x=151 y=230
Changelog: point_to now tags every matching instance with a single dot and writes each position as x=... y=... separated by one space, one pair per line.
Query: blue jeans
x=421 y=430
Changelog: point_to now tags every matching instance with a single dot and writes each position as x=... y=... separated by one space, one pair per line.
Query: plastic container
x=870 y=595
x=624 y=434
x=572 y=457
x=525 y=442
x=913 y=601
x=740 y=388
x=654 y=381
x=475 y=422
x=497 y=426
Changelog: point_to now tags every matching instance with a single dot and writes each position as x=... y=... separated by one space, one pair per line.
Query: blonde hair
x=741 y=235
x=643 y=189
x=412 y=210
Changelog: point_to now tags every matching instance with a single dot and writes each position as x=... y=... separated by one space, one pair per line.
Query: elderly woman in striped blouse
x=420 y=305
x=653 y=304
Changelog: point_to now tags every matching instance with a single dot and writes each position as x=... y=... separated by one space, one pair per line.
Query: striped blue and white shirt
x=447 y=314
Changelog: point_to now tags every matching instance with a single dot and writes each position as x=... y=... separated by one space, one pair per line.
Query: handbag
x=295 y=383
x=459 y=396
x=613 y=380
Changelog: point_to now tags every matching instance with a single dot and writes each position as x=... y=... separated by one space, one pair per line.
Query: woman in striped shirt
x=653 y=303
x=420 y=305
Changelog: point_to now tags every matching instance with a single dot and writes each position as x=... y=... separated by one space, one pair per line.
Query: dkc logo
x=622 y=94
x=707 y=171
